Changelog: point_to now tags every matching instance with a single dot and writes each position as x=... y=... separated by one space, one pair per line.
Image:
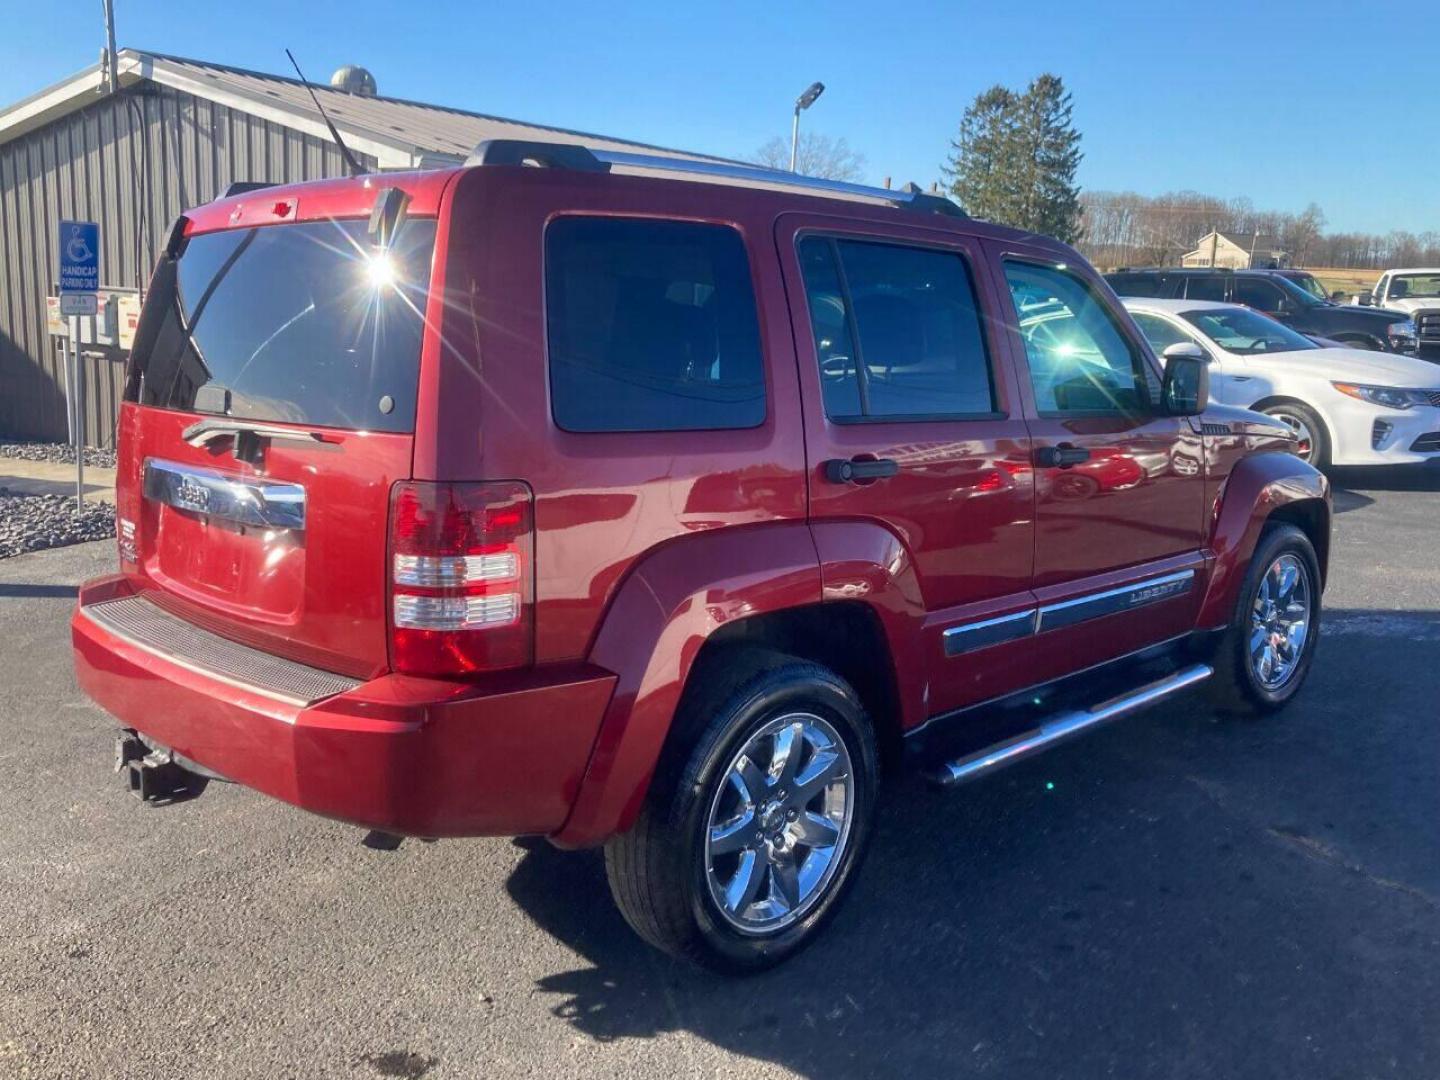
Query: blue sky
x=1284 y=102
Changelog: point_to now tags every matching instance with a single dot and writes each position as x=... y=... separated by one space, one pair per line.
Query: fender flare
x=669 y=605
x=1257 y=487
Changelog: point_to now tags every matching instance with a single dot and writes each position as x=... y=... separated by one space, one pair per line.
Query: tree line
x=1013 y=161
x=1123 y=228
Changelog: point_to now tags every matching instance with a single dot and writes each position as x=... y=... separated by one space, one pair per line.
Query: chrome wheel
x=1304 y=437
x=779 y=823
x=1280 y=622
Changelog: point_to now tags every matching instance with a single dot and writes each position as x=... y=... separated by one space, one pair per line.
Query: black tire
x=1319 y=454
x=658 y=871
x=1369 y=344
x=1236 y=686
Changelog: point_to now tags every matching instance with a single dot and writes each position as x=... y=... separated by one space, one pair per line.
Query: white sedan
x=1346 y=406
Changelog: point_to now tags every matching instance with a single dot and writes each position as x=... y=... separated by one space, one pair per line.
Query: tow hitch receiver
x=152 y=775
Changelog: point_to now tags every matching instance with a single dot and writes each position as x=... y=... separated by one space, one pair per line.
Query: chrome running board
x=1063 y=725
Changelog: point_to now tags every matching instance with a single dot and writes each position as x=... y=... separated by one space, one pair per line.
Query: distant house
x=1257 y=251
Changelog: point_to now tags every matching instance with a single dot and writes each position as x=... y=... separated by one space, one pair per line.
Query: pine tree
x=982 y=157
x=1015 y=158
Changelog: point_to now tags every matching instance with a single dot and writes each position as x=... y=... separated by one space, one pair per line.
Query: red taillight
x=461 y=579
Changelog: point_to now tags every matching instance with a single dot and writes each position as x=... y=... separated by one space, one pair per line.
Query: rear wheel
x=1265 y=655
x=747 y=843
x=1313 y=441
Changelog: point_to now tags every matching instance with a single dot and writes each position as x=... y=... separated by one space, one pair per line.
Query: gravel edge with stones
x=58 y=453
x=36 y=522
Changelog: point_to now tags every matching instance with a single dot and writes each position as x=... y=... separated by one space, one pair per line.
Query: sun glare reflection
x=380 y=269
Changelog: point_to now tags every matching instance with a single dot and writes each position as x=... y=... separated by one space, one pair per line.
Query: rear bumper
x=419 y=757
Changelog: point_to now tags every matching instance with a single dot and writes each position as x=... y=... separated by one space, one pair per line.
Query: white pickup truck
x=1417 y=293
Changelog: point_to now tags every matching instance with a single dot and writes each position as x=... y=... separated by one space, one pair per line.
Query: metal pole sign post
x=79 y=278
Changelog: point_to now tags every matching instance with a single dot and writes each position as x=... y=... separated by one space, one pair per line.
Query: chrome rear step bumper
x=1063 y=725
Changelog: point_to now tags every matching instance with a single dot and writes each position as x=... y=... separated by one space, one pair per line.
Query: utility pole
x=112 y=62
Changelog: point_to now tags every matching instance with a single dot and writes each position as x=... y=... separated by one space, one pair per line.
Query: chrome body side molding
x=968 y=637
x=1137 y=594
x=977 y=635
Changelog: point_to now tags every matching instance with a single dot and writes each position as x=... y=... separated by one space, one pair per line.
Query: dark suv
x=658 y=513
x=1273 y=292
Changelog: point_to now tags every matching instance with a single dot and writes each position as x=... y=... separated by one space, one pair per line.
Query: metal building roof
x=400 y=134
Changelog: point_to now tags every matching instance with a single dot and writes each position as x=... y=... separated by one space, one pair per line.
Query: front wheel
x=1265 y=655
x=1312 y=441
x=748 y=841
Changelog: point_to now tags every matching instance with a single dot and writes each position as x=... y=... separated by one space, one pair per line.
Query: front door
x=1119 y=516
x=916 y=446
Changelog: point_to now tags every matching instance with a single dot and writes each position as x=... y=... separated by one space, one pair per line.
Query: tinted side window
x=1257 y=293
x=1160 y=333
x=652 y=326
x=1132 y=284
x=1080 y=360
x=897 y=331
x=1205 y=287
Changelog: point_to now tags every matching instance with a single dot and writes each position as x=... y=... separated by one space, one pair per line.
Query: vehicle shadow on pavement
x=28 y=590
x=1351 y=478
x=1181 y=894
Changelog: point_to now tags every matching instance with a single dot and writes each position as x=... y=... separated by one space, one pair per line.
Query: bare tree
x=816 y=155
x=1126 y=229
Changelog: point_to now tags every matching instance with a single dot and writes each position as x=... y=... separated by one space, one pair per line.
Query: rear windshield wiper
x=248 y=436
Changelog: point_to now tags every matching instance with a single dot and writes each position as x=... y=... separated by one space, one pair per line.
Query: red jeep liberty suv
x=655 y=504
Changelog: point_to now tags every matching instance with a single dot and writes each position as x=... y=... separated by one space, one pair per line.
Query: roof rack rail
x=584 y=159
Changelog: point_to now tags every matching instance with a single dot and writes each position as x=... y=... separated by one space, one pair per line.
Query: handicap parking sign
x=79 y=256
x=79 y=267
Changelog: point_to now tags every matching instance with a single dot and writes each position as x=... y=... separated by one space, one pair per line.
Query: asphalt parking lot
x=1193 y=898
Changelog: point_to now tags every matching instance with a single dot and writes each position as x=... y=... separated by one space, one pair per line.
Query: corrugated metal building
x=175 y=134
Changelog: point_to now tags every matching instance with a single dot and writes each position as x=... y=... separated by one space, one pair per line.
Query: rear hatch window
x=298 y=323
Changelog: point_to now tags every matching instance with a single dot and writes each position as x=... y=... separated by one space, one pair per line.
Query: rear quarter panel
x=601 y=499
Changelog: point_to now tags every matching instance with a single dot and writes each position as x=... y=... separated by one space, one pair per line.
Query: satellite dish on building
x=353 y=79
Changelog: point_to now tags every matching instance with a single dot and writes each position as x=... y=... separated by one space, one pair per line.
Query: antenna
x=350 y=162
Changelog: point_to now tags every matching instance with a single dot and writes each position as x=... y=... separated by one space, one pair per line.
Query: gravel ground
x=61 y=453
x=35 y=522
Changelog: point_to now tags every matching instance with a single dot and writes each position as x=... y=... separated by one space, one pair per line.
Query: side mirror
x=1338 y=295
x=1185 y=350
x=1186 y=391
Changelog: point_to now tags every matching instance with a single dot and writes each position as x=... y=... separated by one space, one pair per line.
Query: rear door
x=912 y=424
x=269 y=407
x=1119 y=487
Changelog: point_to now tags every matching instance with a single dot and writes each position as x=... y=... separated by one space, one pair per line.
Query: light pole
x=804 y=101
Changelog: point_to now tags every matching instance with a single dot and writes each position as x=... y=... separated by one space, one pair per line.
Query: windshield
x=1409 y=286
x=1311 y=284
x=303 y=323
x=1301 y=297
x=1245 y=332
